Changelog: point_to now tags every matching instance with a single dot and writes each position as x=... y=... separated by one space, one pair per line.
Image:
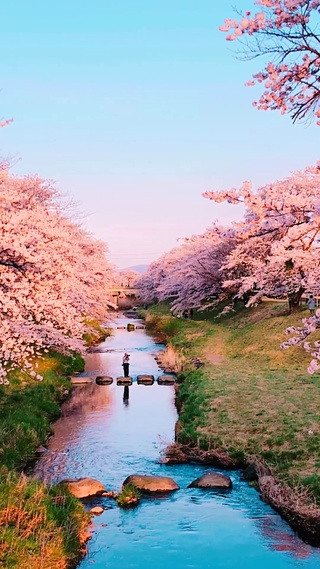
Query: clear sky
x=135 y=107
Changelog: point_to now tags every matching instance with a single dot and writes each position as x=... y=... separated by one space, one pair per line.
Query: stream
x=102 y=435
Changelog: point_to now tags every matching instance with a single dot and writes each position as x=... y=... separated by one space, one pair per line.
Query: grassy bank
x=250 y=399
x=97 y=333
x=39 y=527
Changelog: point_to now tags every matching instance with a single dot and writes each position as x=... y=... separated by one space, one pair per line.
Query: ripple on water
x=103 y=436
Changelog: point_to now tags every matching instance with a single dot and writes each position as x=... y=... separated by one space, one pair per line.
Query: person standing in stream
x=125 y=364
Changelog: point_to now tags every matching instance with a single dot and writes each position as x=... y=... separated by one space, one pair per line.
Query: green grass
x=39 y=527
x=97 y=333
x=28 y=407
x=251 y=398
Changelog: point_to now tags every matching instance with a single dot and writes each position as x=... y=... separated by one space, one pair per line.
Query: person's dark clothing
x=126 y=369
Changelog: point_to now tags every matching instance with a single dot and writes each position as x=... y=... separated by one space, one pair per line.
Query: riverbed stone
x=109 y=495
x=97 y=510
x=84 y=487
x=81 y=379
x=124 y=380
x=145 y=379
x=212 y=480
x=166 y=380
x=104 y=380
x=149 y=484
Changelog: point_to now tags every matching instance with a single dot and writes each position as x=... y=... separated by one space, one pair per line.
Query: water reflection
x=126 y=395
x=86 y=399
x=63 y=447
x=103 y=436
x=280 y=539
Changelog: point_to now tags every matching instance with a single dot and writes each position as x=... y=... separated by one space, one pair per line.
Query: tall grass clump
x=128 y=497
x=39 y=526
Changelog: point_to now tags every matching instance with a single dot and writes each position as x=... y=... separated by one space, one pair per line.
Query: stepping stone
x=145 y=379
x=81 y=379
x=121 y=327
x=166 y=380
x=124 y=380
x=130 y=327
x=140 y=327
x=104 y=380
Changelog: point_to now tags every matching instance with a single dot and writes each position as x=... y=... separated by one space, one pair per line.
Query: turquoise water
x=102 y=436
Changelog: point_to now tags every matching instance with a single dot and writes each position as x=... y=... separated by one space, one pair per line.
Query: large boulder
x=212 y=480
x=148 y=484
x=84 y=487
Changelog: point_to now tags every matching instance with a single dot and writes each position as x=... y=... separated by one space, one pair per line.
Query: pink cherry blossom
x=287 y=31
x=53 y=274
x=189 y=275
x=274 y=251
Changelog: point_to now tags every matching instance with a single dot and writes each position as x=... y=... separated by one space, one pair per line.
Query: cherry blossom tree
x=190 y=275
x=300 y=336
x=53 y=274
x=146 y=286
x=149 y=282
x=285 y=31
x=5 y=122
x=128 y=277
x=277 y=247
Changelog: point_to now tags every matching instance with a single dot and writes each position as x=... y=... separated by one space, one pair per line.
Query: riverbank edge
x=294 y=505
x=28 y=410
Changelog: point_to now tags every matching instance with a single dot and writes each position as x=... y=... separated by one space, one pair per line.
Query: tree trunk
x=294 y=299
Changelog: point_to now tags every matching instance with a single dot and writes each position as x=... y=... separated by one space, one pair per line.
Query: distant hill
x=137 y=268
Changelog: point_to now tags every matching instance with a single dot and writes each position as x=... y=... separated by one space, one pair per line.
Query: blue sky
x=135 y=108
